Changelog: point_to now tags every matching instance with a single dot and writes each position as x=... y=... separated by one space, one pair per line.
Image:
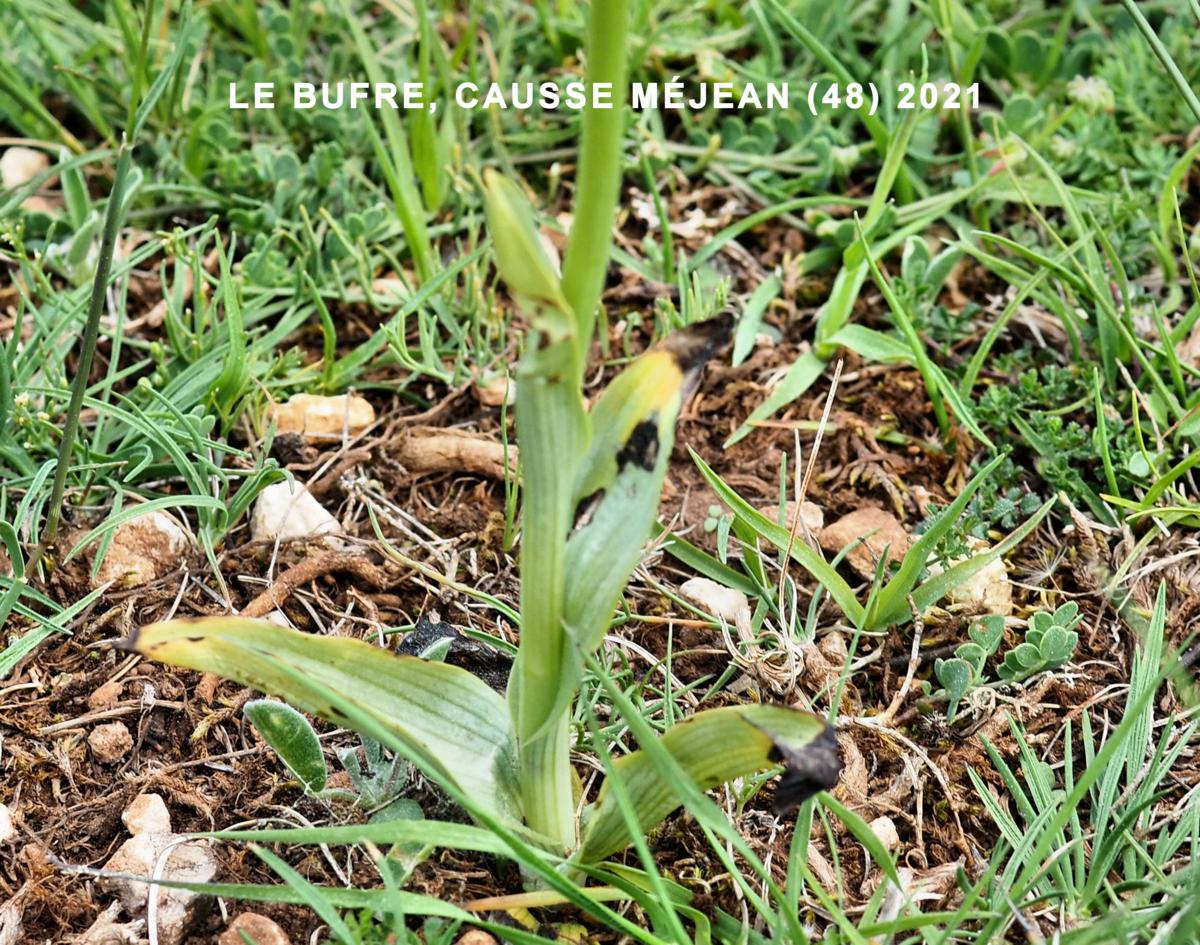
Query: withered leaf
x=810 y=769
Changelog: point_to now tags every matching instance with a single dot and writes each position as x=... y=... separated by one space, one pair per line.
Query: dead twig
x=313 y=567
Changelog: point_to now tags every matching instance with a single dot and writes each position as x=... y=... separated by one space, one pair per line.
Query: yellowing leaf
x=451 y=723
x=714 y=747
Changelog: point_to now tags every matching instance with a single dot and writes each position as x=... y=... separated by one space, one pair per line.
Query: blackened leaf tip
x=694 y=345
x=809 y=770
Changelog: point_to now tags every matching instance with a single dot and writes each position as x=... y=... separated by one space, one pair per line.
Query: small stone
x=7 y=830
x=833 y=646
x=189 y=861
x=987 y=591
x=146 y=813
x=475 y=937
x=877 y=530
x=105 y=696
x=323 y=419
x=143 y=550
x=723 y=602
x=497 y=391
x=110 y=743
x=885 y=829
x=260 y=930
x=21 y=165
x=389 y=292
x=286 y=511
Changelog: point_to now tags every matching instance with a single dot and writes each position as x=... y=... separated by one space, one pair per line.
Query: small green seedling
x=964 y=671
x=720 y=522
x=377 y=780
x=923 y=275
x=1050 y=642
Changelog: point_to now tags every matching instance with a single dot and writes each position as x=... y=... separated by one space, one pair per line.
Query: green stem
x=1159 y=50
x=552 y=428
x=598 y=179
x=546 y=791
x=87 y=351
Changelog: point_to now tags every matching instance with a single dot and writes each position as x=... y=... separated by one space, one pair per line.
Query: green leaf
x=633 y=426
x=956 y=675
x=450 y=723
x=649 y=389
x=892 y=599
x=520 y=256
x=293 y=740
x=1067 y=615
x=713 y=747
x=602 y=554
x=1058 y=645
x=972 y=652
x=780 y=537
x=446 y=835
x=872 y=345
x=752 y=317
x=988 y=631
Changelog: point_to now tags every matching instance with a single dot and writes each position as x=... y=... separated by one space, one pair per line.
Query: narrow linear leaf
x=893 y=595
x=447 y=835
x=781 y=538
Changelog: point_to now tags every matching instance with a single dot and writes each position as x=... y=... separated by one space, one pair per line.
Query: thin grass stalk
x=599 y=177
x=1160 y=51
x=87 y=351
